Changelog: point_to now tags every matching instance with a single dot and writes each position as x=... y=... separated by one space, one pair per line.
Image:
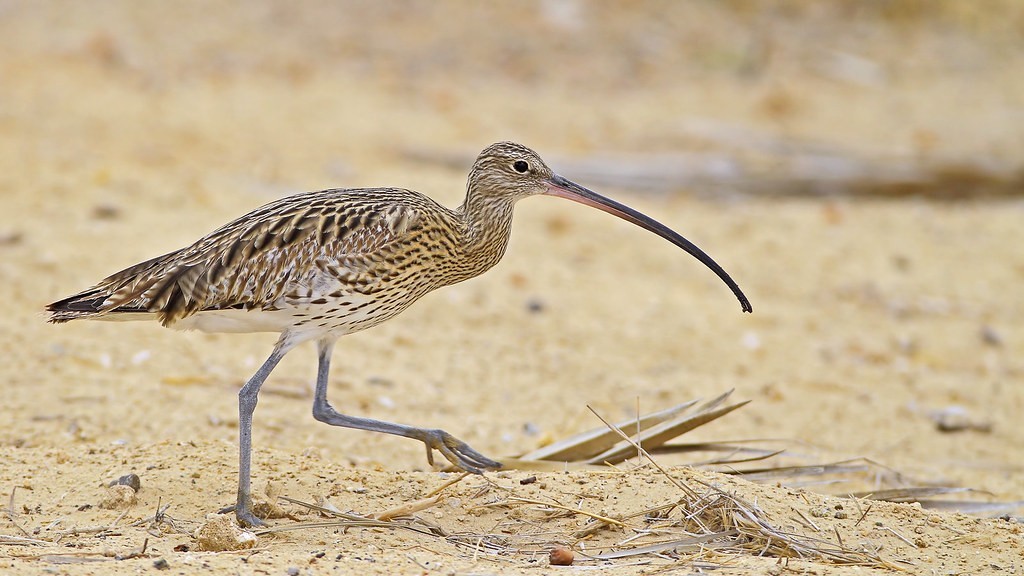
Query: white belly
x=236 y=321
x=311 y=320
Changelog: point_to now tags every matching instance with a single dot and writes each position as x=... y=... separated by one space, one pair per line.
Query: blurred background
x=856 y=166
x=788 y=97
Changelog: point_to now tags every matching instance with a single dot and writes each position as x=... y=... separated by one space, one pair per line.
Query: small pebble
x=292 y=571
x=750 y=340
x=106 y=212
x=990 y=336
x=161 y=564
x=820 y=512
x=141 y=356
x=528 y=480
x=957 y=419
x=131 y=480
x=119 y=497
x=560 y=556
x=10 y=237
x=220 y=533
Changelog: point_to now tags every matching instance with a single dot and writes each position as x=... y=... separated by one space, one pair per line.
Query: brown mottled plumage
x=318 y=265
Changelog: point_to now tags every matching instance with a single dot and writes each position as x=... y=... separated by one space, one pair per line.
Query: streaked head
x=507 y=171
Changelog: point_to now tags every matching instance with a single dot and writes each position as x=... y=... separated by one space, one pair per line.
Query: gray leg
x=247 y=398
x=456 y=451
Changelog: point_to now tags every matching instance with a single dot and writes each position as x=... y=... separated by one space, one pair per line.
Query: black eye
x=520 y=166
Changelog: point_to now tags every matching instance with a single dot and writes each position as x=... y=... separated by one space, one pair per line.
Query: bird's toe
x=458 y=452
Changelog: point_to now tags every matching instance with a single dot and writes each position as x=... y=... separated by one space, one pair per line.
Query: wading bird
x=319 y=265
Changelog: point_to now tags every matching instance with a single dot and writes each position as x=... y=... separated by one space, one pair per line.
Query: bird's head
x=505 y=172
x=509 y=171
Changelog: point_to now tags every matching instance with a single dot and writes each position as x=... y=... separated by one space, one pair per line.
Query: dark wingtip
x=86 y=302
x=80 y=305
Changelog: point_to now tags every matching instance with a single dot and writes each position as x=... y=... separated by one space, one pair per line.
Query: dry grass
x=699 y=520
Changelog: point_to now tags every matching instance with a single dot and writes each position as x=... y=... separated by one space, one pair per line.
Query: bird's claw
x=460 y=454
x=247 y=519
x=244 y=515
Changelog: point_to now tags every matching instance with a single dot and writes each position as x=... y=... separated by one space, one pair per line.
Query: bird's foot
x=248 y=519
x=244 y=515
x=456 y=451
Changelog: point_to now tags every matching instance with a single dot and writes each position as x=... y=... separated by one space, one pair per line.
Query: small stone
x=560 y=556
x=292 y=571
x=820 y=512
x=221 y=533
x=956 y=418
x=161 y=564
x=106 y=212
x=119 y=497
x=10 y=237
x=131 y=480
x=991 y=336
x=750 y=340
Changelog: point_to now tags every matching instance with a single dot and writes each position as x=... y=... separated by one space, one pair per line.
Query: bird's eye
x=520 y=166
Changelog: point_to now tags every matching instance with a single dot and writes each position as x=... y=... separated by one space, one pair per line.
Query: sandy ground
x=130 y=129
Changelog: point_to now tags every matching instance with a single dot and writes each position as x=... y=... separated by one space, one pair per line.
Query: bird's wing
x=254 y=261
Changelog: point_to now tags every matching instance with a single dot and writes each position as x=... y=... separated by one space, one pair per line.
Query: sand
x=128 y=130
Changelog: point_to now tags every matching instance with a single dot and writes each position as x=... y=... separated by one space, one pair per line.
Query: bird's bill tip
x=564 y=188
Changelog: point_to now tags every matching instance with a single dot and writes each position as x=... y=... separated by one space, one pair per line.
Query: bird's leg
x=456 y=451
x=247 y=398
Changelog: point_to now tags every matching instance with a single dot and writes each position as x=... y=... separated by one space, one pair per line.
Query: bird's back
x=314 y=258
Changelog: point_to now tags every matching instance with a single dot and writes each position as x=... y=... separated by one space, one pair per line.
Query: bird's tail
x=110 y=299
x=81 y=305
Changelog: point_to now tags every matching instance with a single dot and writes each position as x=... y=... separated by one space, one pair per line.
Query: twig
x=569 y=509
x=451 y=482
x=640 y=449
x=7 y=539
x=136 y=553
x=807 y=520
x=691 y=542
x=91 y=529
x=12 y=515
x=900 y=536
x=408 y=508
x=863 y=516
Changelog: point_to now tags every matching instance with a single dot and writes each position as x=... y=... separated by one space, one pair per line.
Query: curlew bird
x=319 y=265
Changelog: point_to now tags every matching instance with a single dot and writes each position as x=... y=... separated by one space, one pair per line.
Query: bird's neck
x=488 y=225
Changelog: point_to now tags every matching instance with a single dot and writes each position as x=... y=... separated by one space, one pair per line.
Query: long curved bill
x=563 y=188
